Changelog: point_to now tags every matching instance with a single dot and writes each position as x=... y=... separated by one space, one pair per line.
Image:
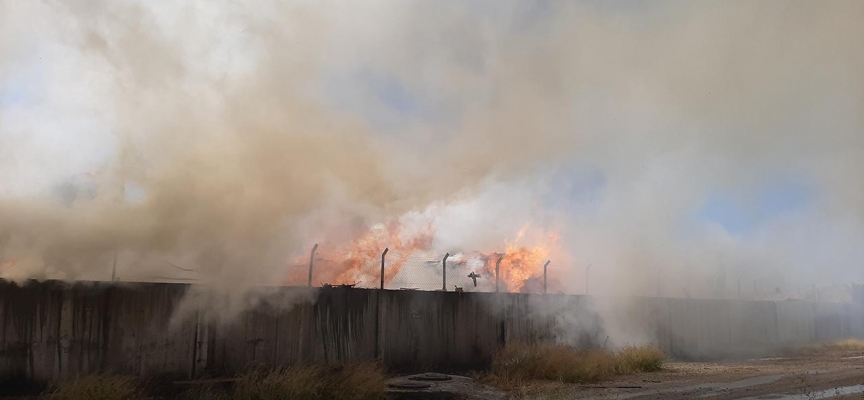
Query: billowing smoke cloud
x=220 y=132
x=228 y=138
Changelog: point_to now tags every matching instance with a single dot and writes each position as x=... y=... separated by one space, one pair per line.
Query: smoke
x=223 y=140
x=227 y=138
x=685 y=113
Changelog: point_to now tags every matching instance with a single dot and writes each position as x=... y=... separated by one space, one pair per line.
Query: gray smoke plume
x=226 y=138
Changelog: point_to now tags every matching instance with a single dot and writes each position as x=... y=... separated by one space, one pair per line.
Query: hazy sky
x=673 y=139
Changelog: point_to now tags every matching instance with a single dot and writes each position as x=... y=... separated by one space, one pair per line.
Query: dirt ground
x=822 y=376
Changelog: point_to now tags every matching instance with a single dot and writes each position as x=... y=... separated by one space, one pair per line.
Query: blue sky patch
x=17 y=93
x=741 y=214
x=392 y=94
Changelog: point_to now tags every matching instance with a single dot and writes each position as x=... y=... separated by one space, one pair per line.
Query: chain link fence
x=416 y=273
x=469 y=272
x=428 y=273
x=470 y=275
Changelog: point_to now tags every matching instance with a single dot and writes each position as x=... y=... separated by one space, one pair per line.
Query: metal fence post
x=379 y=349
x=114 y=268
x=586 y=278
x=497 y=271
x=383 y=255
x=544 y=275
x=444 y=270
x=311 y=263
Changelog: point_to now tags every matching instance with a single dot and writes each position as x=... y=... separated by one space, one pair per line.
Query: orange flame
x=359 y=260
x=522 y=263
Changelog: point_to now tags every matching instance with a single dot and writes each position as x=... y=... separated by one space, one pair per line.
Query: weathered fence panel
x=53 y=330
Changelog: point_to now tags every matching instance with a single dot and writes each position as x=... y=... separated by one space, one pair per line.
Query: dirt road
x=835 y=376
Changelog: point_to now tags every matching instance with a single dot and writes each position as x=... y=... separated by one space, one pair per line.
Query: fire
x=358 y=261
x=520 y=262
x=519 y=265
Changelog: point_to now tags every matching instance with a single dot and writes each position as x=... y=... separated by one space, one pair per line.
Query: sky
x=668 y=141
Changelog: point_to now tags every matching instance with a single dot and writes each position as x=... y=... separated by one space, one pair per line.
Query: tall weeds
x=518 y=363
x=309 y=382
x=96 y=387
x=634 y=359
x=834 y=347
x=349 y=382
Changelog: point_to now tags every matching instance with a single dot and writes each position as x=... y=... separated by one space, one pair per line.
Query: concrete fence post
x=383 y=256
x=498 y=271
x=311 y=264
x=444 y=272
x=544 y=275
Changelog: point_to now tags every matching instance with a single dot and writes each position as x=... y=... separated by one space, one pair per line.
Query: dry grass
x=349 y=382
x=848 y=345
x=96 y=387
x=839 y=346
x=634 y=359
x=517 y=364
x=206 y=393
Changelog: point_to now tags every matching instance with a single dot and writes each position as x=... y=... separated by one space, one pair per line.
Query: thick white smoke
x=230 y=137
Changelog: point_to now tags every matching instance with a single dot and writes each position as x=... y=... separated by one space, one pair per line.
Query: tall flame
x=520 y=263
x=358 y=261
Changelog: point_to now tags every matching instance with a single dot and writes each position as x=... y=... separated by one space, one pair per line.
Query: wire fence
x=472 y=272
x=421 y=273
x=427 y=273
x=476 y=272
x=471 y=275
